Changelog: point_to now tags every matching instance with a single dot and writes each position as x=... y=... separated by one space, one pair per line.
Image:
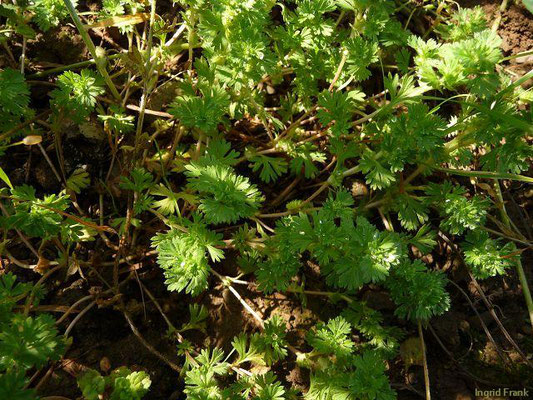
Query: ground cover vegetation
x=314 y=149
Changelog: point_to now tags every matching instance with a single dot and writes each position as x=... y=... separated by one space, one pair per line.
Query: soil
x=461 y=357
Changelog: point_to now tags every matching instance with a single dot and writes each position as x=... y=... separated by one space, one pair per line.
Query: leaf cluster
x=121 y=384
x=184 y=255
x=26 y=342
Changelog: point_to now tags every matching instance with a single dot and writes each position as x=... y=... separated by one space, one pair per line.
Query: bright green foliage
x=122 y=383
x=49 y=13
x=459 y=212
x=140 y=180
x=15 y=20
x=76 y=93
x=168 y=204
x=14 y=97
x=91 y=384
x=270 y=168
x=501 y=127
x=198 y=316
x=468 y=59
x=224 y=195
x=34 y=216
x=117 y=121
x=4 y=178
x=424 y=239
x=337 y=109
x=132 y=386
x=247 y=349
x=204 y=379
x=332 y=338
x=340 y=373
x=336 y=370
x=412 y=212
x=304 y=157
x=418 y=292
x=264 y=348
x=183 y=256
x=463 y=24
x=78 y=180
x=272 y=342
x=220 y=151
x=28 y=342
x=485 y=256
x=412 y=137
x=222 y=26
x=369 y=322
x=260 y=387
x=268 y=388
x=377 y=175
x=403 y=89
x=204 y=111
x=279 y=268
x=10 y=291
x=369 y=380
x=113 y=8
x=361 y=53
x=201 y=380
x=313 y=45
x=296 y=96
x=350 y=254
x=25 y=341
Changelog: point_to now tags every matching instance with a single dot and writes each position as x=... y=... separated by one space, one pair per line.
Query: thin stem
x=23 y=55
x=226 y=281
x=72 y=308
x=518 y=55
x=496 y=23
x=424 y=361
x=100 y=61
x=487 y=174
x=78 y=317
x=70 y=67
x=148 y=346
x=519 y=267
x=320 y=293
x=54 y=170
x=19 y=233
x=146 y=87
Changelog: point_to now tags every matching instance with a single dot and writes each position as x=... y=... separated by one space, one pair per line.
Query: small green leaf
x=5 y=178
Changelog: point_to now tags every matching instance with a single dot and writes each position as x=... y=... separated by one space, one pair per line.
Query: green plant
x=120 y=384
x=25 y=341
x=76 y=93
x=350 y=253
x=184 y=256
x=33 y=216
x=14 y=95
x=49 y=13
x=341 y=373
x=224 y=196
x=485 y=256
